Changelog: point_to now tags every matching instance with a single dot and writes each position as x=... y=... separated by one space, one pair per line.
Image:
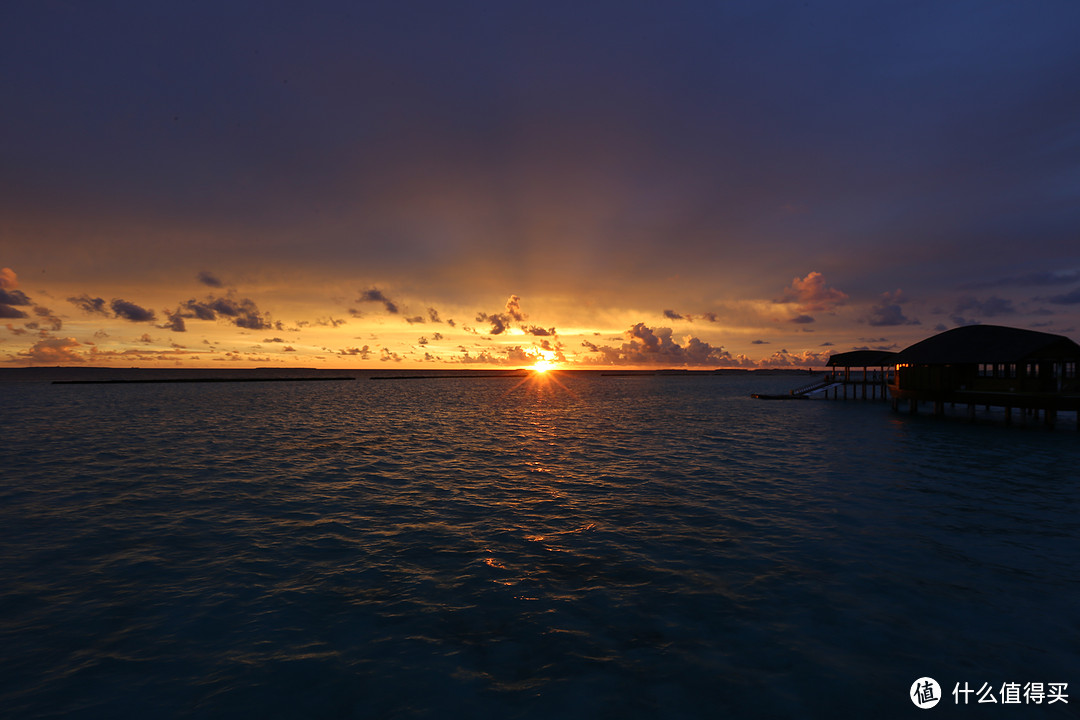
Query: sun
x=542 y=366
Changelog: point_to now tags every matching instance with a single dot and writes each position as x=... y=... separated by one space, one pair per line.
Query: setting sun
x=542 y=366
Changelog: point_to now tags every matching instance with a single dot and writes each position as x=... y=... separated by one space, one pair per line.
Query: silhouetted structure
x=990 y=365
x=867 y=372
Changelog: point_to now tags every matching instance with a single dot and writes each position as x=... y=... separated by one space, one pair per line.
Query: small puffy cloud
x=672 y=315
x=498 y=322
x=288 y=348
x=437 y=337
x=14 y=330
x=375 y=295
x=802 y=319
x=422 y=341
x=209 y=279
x=812 y=294
x=8 y=278
x=538 y=331
x=388 y=356
x=363 y=353
x=131 y=311
x=710 y=317
x=433 y=315
x=273 y=340
x=759 y=342
x=415 y=320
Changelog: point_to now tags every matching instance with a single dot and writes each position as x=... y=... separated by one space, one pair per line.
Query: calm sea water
x=613 y=547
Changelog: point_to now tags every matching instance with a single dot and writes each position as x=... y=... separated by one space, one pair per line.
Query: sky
x=488 y=184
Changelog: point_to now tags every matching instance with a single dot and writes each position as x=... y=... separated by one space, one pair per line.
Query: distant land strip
x=197 y=380
x=495 y=374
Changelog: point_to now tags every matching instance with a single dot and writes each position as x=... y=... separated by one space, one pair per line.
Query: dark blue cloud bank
x=925 y=146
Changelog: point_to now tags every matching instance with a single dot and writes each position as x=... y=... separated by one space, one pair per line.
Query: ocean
x=569 y=545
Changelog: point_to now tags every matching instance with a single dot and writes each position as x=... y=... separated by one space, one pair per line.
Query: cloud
x=672 y=315
x=538 y=331
x=9 y=296
x=209 y=279
x=415 y=319
x=131 y=311
x=376 y=295
x=801 y=320
x=433 y=315
x=1038 y=278
x=1070 y=298
x=93 y=306
x=13 y=297
x=243 y=313
x=500 y=322
x=888 y=313
x=176 y=322
x=54 y=351
x=363 y=353
x=649 y=346
x=14 y=330
x=991 y=307
x=437 y=336
x=513 y=308
x=422 y=341
x=811 y=294
x=759 y=342
x=273 y=340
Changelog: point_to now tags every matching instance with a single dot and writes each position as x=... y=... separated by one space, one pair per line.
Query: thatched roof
x=863 y=358
x=974 y=344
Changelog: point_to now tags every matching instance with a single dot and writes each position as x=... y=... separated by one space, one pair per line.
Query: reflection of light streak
x=543 y=380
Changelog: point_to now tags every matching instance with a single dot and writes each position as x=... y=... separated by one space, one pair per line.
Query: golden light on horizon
x=543 y=365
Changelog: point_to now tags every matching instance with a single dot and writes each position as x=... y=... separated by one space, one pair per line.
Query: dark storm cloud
x=130 y=311
x=209 y=279
x=376 y=295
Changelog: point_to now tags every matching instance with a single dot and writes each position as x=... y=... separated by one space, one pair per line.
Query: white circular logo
x=925 y=693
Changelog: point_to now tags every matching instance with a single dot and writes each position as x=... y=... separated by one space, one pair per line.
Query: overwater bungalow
x=993 y=366
x=866 y=372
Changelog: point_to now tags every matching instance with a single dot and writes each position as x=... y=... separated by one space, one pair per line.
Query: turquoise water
x=578 y=547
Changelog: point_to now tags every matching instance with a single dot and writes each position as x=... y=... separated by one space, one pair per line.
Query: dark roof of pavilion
x=863 y=358
x=973 y=344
